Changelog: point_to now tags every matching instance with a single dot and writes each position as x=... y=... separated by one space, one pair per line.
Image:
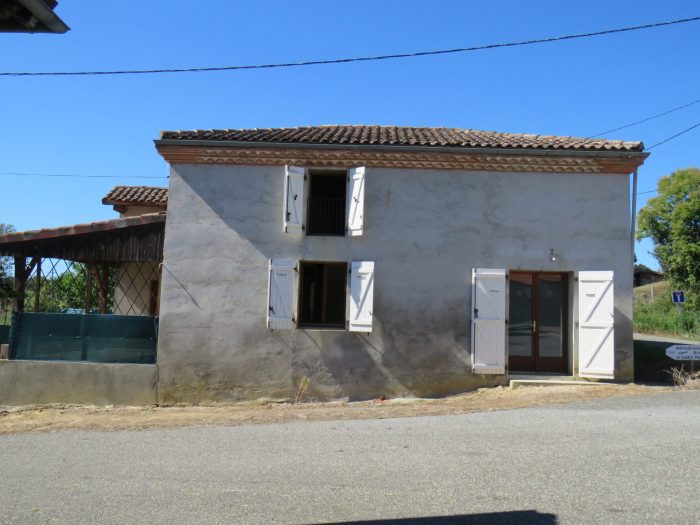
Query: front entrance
x=537 y=322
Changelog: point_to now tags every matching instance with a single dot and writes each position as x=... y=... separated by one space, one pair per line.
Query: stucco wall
x=45 y=382
x=424 y=230
x=132 y=211
x=132 y=293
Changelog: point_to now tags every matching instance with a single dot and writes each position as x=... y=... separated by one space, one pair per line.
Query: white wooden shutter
x=488 y=321
x=356 y=200
x=294 y=200
x=361 y=296
x=280 y=294
x=596 y=319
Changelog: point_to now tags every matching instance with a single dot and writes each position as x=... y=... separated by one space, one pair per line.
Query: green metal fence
x=84 y=337
x=4 y=334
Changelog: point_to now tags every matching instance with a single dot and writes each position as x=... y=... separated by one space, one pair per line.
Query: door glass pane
x=551 y=289
x=520 y=315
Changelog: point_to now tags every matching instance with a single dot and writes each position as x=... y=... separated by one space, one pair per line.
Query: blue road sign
x=678 y=296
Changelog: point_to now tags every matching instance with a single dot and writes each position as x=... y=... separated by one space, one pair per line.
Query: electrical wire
x=645 y=119
x=673 y=136
x=80 y=176
x=355 y=59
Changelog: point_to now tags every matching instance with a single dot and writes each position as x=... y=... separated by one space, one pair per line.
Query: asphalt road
x=620 y=460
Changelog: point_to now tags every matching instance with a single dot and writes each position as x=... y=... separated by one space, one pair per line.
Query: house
x=378 y=260
x=644 y=275
x=360 y=260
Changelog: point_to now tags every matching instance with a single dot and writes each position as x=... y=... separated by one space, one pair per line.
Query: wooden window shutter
x=361 y=296
x=356 y=200
x=281 y=294
x=294 y=200
x=488 y=321
x=596 y=325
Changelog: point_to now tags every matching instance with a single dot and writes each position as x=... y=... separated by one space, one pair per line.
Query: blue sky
x=106 y=125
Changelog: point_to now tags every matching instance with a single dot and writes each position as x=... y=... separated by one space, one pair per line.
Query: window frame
x=300 y=293
x=325 y=172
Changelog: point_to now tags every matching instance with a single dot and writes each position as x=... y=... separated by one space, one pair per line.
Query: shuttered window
x=324 y=202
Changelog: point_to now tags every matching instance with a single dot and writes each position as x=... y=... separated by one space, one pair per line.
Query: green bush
x=661 y=316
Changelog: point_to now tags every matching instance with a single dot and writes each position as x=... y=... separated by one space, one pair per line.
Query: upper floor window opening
x=324 y=201
x=327 y=203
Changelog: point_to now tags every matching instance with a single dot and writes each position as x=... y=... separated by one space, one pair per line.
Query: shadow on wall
x=514 y=517
x=624 y=360
x=406 y=354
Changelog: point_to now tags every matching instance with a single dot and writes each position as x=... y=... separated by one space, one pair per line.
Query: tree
x=672 y=221
x=6 y=277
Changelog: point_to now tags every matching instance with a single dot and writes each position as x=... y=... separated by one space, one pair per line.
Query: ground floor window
x=322 y=294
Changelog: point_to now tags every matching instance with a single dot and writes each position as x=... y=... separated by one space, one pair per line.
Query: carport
x=87 y=292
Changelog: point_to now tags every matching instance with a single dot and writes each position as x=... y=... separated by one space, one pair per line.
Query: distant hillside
x=648 y=292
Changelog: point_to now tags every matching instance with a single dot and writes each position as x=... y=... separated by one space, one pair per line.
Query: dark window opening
x=322 y=294
x=326 y=206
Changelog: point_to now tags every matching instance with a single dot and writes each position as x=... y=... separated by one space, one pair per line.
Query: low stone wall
x=45 y=382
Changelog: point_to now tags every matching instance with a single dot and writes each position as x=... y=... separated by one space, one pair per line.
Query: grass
x=681 y=324
x=659 y=316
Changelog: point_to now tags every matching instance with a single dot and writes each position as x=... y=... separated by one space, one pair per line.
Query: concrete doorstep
x=527 y=380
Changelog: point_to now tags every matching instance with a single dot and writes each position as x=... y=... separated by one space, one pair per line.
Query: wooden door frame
x=534 y=363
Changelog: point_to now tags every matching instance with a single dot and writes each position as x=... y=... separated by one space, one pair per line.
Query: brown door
x=537 y=322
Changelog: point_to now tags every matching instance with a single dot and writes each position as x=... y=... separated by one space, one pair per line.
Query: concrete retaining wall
x=44 y=382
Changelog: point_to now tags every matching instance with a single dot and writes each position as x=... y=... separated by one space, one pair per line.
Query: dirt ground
x=70 y=417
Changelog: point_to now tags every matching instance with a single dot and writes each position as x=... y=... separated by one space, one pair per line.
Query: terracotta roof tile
x=137 y=195
x=404 y=136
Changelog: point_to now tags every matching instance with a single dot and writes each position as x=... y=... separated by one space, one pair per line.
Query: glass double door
x=537 y=322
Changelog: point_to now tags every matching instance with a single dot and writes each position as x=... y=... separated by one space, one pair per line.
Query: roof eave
x=81 y=229
x=110 y=202
x=45 y=16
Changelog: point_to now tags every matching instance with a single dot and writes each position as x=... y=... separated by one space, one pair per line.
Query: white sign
x=684 y=352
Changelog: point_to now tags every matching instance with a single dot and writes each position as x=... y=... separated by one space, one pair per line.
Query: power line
x=673 y=136
x=645 y=119
x=355 y=59
x=80 y=176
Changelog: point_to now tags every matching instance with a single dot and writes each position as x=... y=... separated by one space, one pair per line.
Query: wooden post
x=88 y=288
x=37 y=286
x=22 y=273
x=20 y=284
x=102 y=278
